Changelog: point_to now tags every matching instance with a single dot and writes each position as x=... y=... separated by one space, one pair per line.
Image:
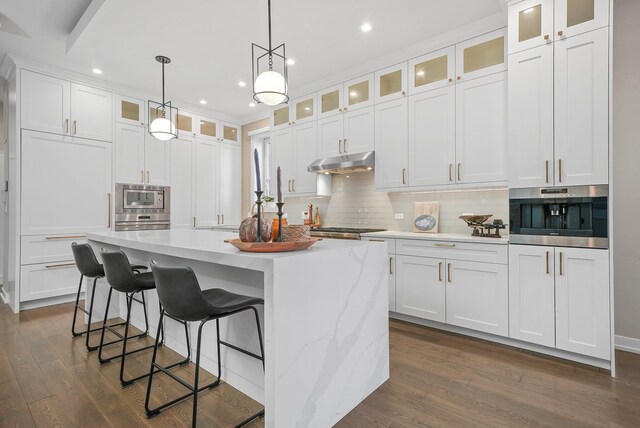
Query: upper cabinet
x=391 y=83
x=185 y=124
x=481 y=56
x=536 y=22
x=296 y=112
x=215 y=130
x=432 y=71
x=60 y=107
x=330 y=101
x=130 y=111
x=358 y=93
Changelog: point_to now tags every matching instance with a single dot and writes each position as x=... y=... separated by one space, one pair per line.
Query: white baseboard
x=628 y=344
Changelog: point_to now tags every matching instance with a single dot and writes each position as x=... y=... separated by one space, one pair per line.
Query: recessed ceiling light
x=290 y=61
x=366 y=27
x=420 y=73
x=203 y=102
x=97 y=71
x=252 y=104
x=242 y=84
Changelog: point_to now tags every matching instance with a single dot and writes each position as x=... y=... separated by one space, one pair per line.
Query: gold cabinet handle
x=440 y=271
x=546 y=170
x=75 y=127
x=450 y=168
x=222 y=218
x=109 y=215
x=340 y=146
x=560 y=170
x=561 y=272
x=560 y=33
x=344 y=146
x=438 y=244
x=458 y=78
x=546 y=37
x=50 y=238
x=404 y=93
x=390 y=265
x=459 y=165
x=449 y=272
x=345 y=109
x=289 y=186
x=450 y=80
x=340 y=110
x=66 y=126
x=59 y=265
x=547 y=261
x=404 y=175
x=293 y=185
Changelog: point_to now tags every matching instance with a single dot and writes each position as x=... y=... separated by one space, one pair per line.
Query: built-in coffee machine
x=560 y=216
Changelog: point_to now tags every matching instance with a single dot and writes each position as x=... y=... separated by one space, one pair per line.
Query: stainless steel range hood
x=358 y=162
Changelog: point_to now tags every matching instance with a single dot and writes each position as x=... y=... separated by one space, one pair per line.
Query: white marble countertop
x=457 y=237
x=208 y=246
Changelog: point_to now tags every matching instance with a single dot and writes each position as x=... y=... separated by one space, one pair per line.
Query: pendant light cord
x=270 y=49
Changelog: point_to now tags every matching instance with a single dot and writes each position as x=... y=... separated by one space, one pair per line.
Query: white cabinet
x=530 y=24
x=582 y=302
x=48 y=280
x=391 y=83
x=66 y=184
x=478 y=296
x=559 y=297
x=55 y=105
x=531 y=157
x=185 y=123
x=130 y=110
x=391 y=144
x=358 y=93
x=432 y=71
x=432 y=137
x=330 y=135
x=420 y=287
x=573 y=17
x=206 y=163
x=532 y=294
x=230 y=185
x=393 y=263
x=481 y=129
x=304 y=109
x=481 y=56
x=141 y=158
x=581 y=80
x=283 y=156
x=330 y=101
x=182 y=153
x=305 y=141
x=359 y=131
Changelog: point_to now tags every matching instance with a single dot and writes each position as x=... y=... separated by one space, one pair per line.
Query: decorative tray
x=272 y=247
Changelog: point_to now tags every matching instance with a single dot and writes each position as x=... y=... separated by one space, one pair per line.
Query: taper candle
x=279 y=185
x=257 y=162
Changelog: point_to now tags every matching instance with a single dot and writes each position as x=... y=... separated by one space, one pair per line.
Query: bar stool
x=89 y=267
x=121 y=278
x=183 y=299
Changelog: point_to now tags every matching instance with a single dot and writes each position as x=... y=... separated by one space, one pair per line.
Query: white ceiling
x=209 y=41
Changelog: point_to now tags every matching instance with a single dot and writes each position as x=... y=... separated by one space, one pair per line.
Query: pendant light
x=269 y=71
x=162 y=127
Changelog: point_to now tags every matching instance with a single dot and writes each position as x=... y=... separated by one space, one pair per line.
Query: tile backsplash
x=356 y=203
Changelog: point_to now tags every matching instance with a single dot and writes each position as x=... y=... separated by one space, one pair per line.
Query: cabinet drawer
x=48 y=248
x=475 y=252
x=48 y=280
x=391 y=243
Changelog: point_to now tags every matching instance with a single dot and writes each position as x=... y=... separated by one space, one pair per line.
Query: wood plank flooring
x=437 y=379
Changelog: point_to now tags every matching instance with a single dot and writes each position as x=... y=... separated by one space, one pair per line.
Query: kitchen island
x=324 y=321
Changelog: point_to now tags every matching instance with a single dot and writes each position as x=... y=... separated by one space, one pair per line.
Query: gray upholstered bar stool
x=89 y=267
x=121 y=278
x=183 y=299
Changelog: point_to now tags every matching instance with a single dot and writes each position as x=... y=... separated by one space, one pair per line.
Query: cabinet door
x=481 y=56
x=66 y=184
x=391 y=83
x=532 y=294
x=305 y=141
x=304 y=109
x=230 y=133
x=48 y=280
x=205 y=184
x=432 y=137
x=130 y=110
x=420 y=287
x=478 y=296
x=582 y=109
x=531 y=118
x=330 y=135
x=573 y=17
x=230 y=181
x=359 y=131
x=157 y=160
x=44 y=103
x=358 y=93
x=330 y=102
x=280 y=117
x=582 y=302
x=129 y=146
x=391 y=144
x=185 y=124
x=181 y=183
x=207 y=129
x=282 y=156
x=530 y=24
x=481 y=129
x=432 y=71
x=91 y=113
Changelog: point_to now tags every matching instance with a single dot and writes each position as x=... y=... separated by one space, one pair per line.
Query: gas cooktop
x=342 y=232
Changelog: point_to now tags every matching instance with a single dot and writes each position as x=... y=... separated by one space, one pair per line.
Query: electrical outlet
x=399 y=216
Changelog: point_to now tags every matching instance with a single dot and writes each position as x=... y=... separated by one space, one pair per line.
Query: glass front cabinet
x=481 y=56
x=391 y=83
x=130 y=110
x=432 y=71
x=330 y=102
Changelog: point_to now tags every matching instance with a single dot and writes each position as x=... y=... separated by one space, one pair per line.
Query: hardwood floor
x=437 y=379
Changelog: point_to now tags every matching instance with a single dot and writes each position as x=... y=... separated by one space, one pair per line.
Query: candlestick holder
x=259 y=205
x=280 y=213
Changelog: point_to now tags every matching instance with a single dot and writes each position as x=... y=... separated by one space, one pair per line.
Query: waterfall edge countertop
x=456 y=237
x=325 y=318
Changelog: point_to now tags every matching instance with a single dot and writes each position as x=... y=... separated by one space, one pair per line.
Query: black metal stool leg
x=104 y=327
x=152 y=371
x=75 y=310
x=89 y=329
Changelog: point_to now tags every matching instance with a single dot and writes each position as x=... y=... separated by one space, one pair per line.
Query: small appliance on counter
x=142 y=207
x=482 y=229
x=341 y=232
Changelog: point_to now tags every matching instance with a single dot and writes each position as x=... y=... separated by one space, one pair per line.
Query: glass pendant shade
x=162 y=129
x=270 y=88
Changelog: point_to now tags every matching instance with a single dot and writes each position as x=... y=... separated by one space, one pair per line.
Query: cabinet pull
x=404 y=173
x=440 y=271
x=340 y=146
x=218 y=218
x=376 y=240
x=449 y=272
x=390 y=265
x=340 y=110
x=459 y=179
x=458 y=77
x=450 y=80
x=547 y=262
x=222 y=218
x=49 y=238
x=109 y=215
x=438 y=244
x=344 y=109
x=293 y=185
x=404 y=93
x=75 y=127
x=560 y=33
x=194 y=222
x=561 y=272
x=66 y=126
x=546 y=170
x=59 y=265
x=450 y=168
x=148 y=177
x=560 y=170
x=344 y=146
x=546 y=37
x=289 y=187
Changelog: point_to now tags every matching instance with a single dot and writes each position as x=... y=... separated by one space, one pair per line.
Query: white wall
x=626 y=150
